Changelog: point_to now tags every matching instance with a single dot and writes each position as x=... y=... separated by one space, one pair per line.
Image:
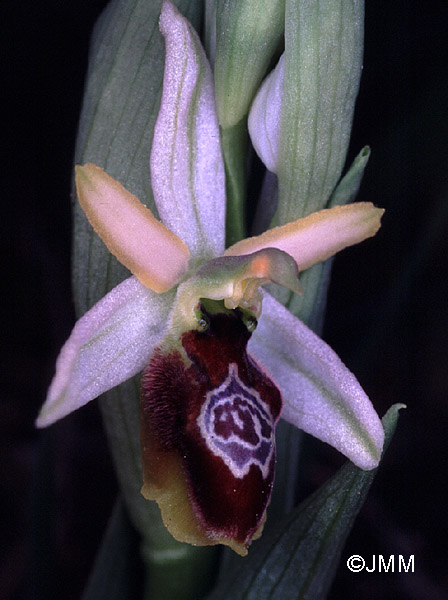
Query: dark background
x=387 y=312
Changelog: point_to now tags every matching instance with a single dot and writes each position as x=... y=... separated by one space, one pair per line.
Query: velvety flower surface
x=214 y=385
x=208 y=434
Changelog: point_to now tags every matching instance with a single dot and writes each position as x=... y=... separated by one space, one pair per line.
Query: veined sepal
x=187 y=168
x=208 y=416
x=109 y=344
x=320 y=395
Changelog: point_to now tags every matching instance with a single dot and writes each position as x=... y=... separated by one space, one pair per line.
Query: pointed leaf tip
x=347 y=189
x=155 y=255
x=389 y=422
x=312 y=537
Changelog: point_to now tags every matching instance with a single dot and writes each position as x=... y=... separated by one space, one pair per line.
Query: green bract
x=323 y=61
x=249 y=32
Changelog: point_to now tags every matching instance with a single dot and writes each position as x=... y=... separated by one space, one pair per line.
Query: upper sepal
x=187 y=169
x=207 y=432
x=320 y=395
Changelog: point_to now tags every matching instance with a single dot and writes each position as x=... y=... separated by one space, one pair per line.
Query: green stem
x=234 y=144
x=182 y=572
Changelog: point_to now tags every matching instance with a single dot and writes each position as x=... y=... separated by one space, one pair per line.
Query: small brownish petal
x=208 y=436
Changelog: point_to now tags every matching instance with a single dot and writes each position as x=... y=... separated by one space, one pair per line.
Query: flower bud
x=265 y=115
x=247 y=35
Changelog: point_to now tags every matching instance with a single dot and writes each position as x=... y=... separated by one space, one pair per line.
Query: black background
x=387 y=312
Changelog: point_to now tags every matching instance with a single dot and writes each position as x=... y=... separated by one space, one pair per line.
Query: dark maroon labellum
x=218 y=415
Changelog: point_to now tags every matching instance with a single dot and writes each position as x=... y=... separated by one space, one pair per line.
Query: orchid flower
x=214 y=384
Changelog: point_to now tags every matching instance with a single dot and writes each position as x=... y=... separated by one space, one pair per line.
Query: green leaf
x=120 y=107
x=348 y=187
x=299 y=556
x=323 y=50
x=209 y=33
x=288 y=442
x=247 y=35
